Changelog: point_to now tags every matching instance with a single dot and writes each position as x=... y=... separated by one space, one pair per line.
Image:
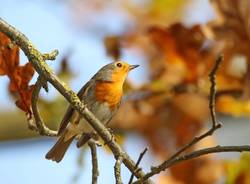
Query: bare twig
x=38 y=62
x=137 y=164
x=194 y=141
x=212 y=77
x=40 y=125
x=117 y=168
x=194 y=154
x=31 y=123
x=95 y=171
x=51 y=56
x=215 y=124
x=214 y=127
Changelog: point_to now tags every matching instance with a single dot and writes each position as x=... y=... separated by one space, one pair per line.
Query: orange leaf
x=24 y=102
x=19 y=76
x=9 y=55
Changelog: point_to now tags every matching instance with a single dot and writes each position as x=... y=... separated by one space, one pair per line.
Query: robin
x=102 y=95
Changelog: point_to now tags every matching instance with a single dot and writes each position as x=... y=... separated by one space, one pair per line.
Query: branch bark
x=38 y=61
x=137 y=165
x=194 y=154
x=95 y=171
x=212 y=77
x=117 y=170
x=40 y=125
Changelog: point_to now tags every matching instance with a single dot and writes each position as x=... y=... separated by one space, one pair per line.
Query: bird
x=102 y=95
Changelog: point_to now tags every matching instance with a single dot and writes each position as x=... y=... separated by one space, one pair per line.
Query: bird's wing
x=66 y=119
x=113 y=113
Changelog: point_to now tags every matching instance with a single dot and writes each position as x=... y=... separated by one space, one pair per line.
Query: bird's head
x=116 y=71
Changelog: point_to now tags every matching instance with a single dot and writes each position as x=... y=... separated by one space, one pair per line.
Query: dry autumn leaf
x=19 y=76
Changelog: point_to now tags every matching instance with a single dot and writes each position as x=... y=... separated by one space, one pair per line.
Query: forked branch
x=175 y=158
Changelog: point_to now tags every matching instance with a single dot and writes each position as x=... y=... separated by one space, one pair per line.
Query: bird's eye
x=119 y=65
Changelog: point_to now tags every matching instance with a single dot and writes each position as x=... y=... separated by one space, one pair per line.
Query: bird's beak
x=131 y=67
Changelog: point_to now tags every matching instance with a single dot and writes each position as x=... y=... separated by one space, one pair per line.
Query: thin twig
x=212 y=77
x=117 y=168
x=31 y=123
x=95 y=171
x=38 y=62
x=40 y=125
x=194 y=154
x=137 y=165
x=215 y=123
x=195 y=140
x=51 y=56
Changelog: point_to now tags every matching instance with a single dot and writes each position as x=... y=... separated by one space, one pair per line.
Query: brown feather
x=57 y=152
x=70 y=110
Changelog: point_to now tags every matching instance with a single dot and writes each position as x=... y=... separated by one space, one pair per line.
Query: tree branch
x=212 y=77
x=137 y=164
x=41 y=82
x=117 y=168
x=40 y=125
x=45 y=74
x=215 y=125
x=38 y=62
x=51 y=56
x=95 y=171
x=194 y=154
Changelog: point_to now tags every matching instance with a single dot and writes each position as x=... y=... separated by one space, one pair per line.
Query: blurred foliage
x=14 y=126
x=238 y=171
x=179 y=59
x=156 y=12
x=171 y=107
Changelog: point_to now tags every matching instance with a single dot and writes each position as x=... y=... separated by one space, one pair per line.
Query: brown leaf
x=9 y=55
x=19 y=76
x=24 y=102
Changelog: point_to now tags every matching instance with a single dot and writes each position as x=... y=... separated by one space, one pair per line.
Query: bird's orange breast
x=109 y=92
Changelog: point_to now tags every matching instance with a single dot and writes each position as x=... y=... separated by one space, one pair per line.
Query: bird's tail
x=57 y=152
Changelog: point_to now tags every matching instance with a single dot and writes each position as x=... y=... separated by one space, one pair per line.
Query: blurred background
x=175 y=43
